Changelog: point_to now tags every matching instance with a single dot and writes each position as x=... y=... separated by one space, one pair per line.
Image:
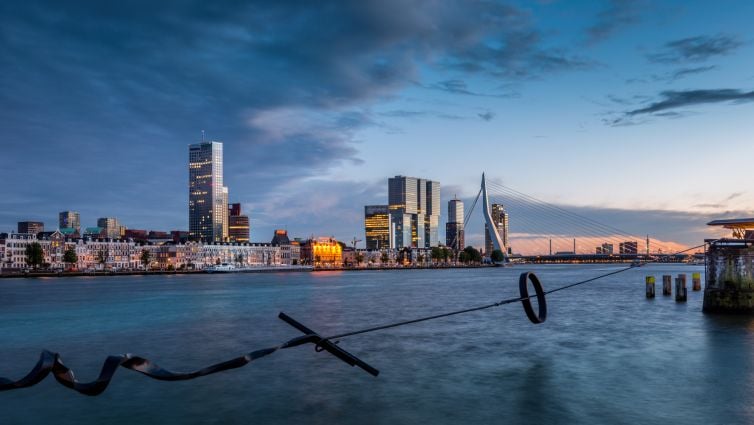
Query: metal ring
x=523 y=289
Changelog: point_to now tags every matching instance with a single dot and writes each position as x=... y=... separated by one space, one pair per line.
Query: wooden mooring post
x=696 y=281
x=667 y=284
x=680 y=288
x=650 y=286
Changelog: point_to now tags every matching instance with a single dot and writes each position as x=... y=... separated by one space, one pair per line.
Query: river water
x=605 y=354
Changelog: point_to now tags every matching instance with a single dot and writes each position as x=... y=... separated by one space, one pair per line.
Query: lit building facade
x=31 y=227
x=322 y=252
x=414 y=207
x=377 y=226
x=239 y=228
x=208 y=205
x=69 y=219
x=500 y=220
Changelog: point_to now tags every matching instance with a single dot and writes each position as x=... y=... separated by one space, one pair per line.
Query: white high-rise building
x=208 y=205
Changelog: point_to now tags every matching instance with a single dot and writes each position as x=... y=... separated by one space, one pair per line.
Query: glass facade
x=69 y=219
x=208 y=206
x=454 y=234
x=414 y=206
x=377 y=226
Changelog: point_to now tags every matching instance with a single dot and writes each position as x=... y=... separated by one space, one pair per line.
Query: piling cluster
x=680 y=285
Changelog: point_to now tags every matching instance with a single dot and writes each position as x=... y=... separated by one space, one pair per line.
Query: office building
x=110 y=227
x=454 y=231
x=377 y=226
x=605 y=249
x=628 y=247
x=500 y=220
x=414 y=207
x=31 y=227
x=69 y=220
x=239 y=229
x=208 y=206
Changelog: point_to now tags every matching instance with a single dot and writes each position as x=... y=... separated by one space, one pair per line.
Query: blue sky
x=636 y=112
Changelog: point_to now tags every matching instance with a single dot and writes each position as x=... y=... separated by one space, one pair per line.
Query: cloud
x=460 y=87
x=695 y=49
x=487 y=116
x=678 y=99
x=671 y=100
x=617 y=15
x=92 y=83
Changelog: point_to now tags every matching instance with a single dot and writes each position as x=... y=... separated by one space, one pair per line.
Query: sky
x=635 y=113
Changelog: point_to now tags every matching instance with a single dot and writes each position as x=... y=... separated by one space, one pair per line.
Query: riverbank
x=46 y=274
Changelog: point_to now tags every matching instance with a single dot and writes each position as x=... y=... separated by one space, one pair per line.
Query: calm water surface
x=605 y=354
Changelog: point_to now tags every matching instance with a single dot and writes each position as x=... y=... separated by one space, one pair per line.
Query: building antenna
x=202 y=136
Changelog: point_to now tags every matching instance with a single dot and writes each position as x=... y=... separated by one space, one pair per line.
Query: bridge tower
x=497 y=241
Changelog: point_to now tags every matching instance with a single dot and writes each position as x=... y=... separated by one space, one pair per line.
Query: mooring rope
x=50 y=362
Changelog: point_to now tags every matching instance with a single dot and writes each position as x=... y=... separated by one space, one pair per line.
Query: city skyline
x=564 y=101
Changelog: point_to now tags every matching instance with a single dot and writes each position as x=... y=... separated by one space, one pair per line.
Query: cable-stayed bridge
x=524 y=227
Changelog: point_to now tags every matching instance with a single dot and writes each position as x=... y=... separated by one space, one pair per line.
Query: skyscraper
x=238 y=224
x=377 y=226
x=454 y=232
x=208 y=206
x=31 y=227
x=500 y=219
x=70 y=220
x=110 y=227
x=414 y=206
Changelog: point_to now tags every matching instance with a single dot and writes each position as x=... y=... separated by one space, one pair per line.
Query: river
x=605 y=354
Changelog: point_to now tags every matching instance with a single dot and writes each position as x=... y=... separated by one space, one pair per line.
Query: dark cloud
x=105 y=96
x=695 y=49
x=679 y=99
x=487 y=116
x=617 y=15
x=672 y=100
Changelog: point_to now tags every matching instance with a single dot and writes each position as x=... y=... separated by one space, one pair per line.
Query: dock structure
x=729 y=269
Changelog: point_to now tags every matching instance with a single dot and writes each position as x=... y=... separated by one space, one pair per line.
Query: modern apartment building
x=377 y=226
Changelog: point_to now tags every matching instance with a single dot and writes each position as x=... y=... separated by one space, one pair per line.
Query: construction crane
x=354 y=242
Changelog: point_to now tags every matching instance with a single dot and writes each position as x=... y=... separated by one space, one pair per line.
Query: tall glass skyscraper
x=208 y=198
x=414 y=206
x=454 y=234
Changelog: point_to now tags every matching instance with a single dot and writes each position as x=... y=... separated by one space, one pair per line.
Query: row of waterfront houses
x=127 y=254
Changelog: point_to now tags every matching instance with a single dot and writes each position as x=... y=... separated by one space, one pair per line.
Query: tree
x=359 y=258
x=436 y=253
x=239 y=258
x=463 y=257
x=472 y=254
x=34 y=255
x=70 y=257
x=146 y=257
x=218 y=262
x=420 y=259
x=384 y=258
x=445 y=254
x=497 y=256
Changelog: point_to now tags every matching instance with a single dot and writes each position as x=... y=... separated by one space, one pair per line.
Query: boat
x=221 y=268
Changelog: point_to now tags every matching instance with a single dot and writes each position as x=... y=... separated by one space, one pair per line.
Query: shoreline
x=260 y=270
